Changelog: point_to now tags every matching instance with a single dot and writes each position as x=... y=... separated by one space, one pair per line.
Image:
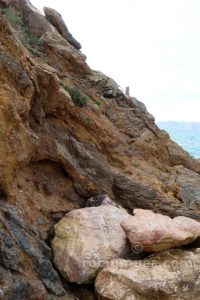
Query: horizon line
x=177 y=121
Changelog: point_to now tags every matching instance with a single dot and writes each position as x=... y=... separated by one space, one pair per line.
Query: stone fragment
x=156 y=232
x=171 y=274
x=102 y=199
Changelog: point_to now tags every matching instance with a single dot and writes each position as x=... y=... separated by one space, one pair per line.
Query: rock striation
x=56 y=20
x=155 y=232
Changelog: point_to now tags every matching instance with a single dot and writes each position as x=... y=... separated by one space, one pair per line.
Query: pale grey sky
x=151 y=45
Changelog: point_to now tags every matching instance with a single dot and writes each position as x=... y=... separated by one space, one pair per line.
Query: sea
x=186 y=134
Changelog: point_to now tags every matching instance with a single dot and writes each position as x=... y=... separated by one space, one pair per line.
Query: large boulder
x=171 y=274
x=57 y=21
x=85 y=239
x=155 y=232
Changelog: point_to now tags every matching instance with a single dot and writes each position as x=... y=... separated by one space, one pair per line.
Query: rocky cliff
x=69 y=133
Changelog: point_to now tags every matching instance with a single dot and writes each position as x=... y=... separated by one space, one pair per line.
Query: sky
x=152 y=46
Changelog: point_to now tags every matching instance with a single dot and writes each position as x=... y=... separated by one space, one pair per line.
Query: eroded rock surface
x=34 y=18
x=56 y=20
x=63 y=56
x=155 y=232
x=86 y=239
x=26 y=270
x=168 y=275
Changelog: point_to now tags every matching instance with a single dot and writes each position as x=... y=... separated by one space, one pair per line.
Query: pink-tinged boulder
x=86 y=239
x=153 y=232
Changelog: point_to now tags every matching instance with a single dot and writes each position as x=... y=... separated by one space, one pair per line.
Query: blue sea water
x=186 y=134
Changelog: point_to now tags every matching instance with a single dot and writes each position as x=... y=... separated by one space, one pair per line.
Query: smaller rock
x=139 y=105
x=171 y=274
x=56 y=20
x=155 y=232
x=102 y=199
x=106 y=85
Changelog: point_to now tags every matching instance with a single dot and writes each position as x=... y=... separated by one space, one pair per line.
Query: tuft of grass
x=97 y=102
x=78 y=97
x=13 y=17
x=30 y=41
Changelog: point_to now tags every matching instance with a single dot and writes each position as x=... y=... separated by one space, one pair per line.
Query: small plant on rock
x=78 y=97
x=30 y=41
x=13 y=18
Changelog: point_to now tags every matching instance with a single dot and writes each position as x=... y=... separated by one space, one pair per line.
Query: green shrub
x=77 y=96
x=13 y=17
x=97 y=102
x=30 y=41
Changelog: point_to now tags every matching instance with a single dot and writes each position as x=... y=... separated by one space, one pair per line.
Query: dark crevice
x=83 y=292
x=36 y=112
x=48 y=241
x=3 y=196
x=50 y=237
x=51 y=163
